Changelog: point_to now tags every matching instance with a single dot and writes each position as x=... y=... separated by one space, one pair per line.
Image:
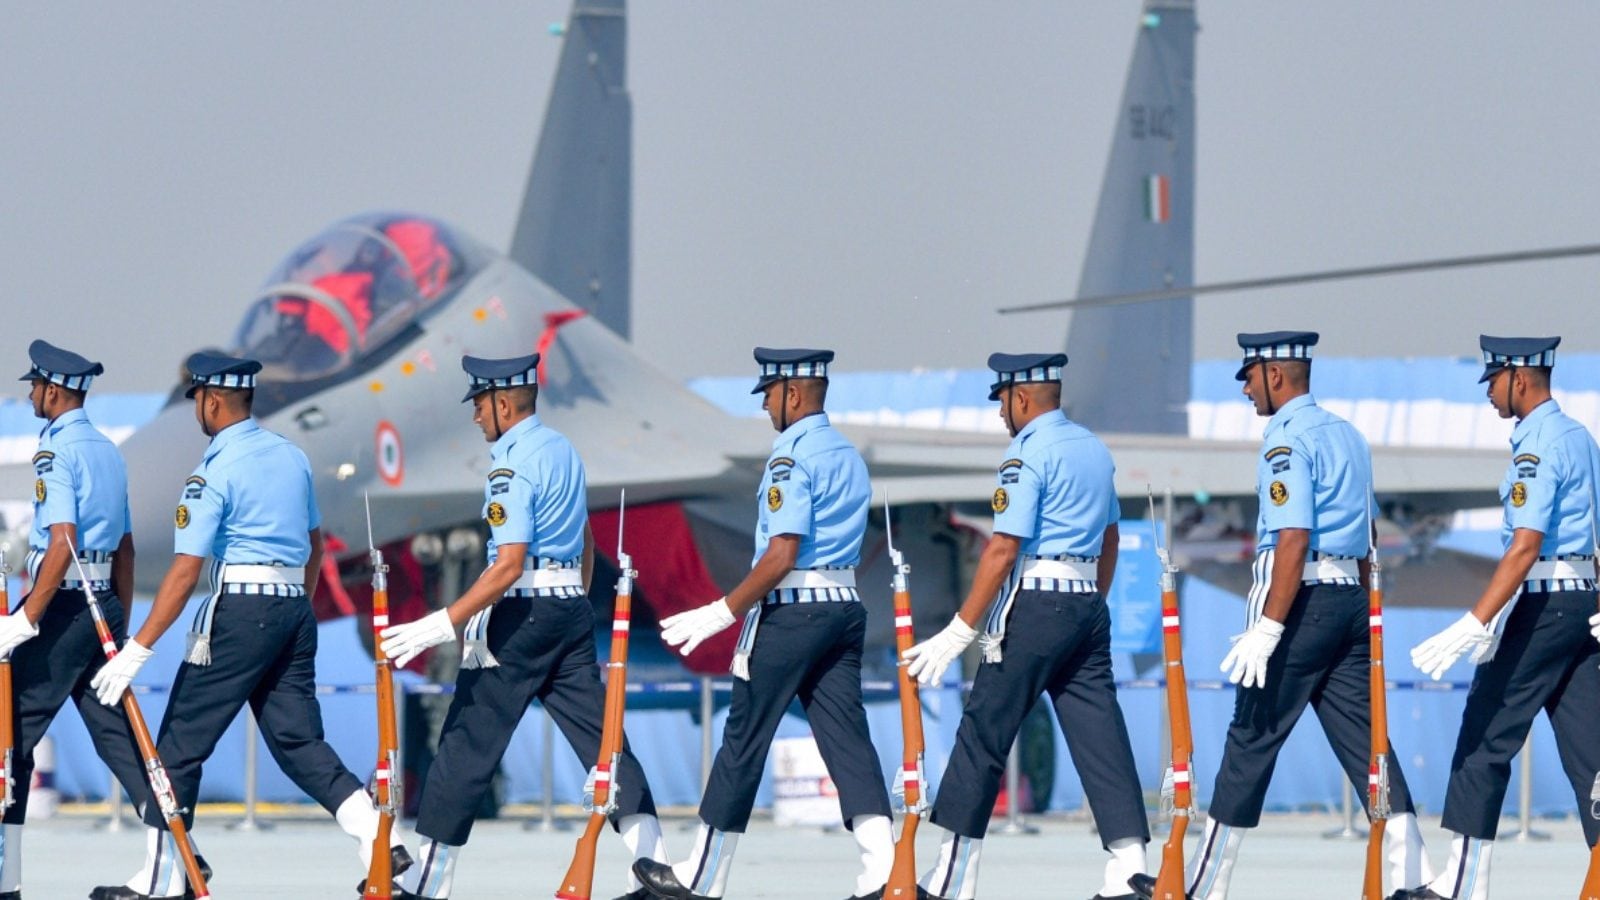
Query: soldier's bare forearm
x=999 y=556
x=777 y=562
x=1288 y=568
x=176 y=587
x=1509 y=574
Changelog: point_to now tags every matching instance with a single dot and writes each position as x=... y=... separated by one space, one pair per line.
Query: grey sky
x=877 y=177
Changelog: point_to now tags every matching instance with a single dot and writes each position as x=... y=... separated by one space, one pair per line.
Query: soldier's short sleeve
x=1536 y=480
x=508 y=505
x=1015 y=500
x=1284 y=485
x=55 y=490
x=201 y=508
x=313 y=512
x=789 y=502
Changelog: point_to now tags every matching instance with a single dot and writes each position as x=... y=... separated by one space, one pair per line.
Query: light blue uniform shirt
x=1315 y=472
x=1550 y=484
x=79 y=479
x=815 y=486
x=249 y=501
x=1055 y=489
x=536 y=493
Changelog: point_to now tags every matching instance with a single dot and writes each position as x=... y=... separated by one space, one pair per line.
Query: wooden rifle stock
x=903 y=874
x=1169 y=878
x=578 y=883
x=1378 y=772
x=1591 y=881
x=386 y=778
x=8 y=737
x=160 y=786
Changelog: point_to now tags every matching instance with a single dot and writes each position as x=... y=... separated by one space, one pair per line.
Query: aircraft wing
x=922 y=465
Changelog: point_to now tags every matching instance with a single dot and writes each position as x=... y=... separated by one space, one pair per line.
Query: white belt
x=533 y=579
x=93 y=571
x=818 y=579
x=1063 y=569
x=1561 y=570
x=251 y=573
x=1331 y=569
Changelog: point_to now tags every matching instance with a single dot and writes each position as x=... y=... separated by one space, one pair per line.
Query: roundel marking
x=390 y=454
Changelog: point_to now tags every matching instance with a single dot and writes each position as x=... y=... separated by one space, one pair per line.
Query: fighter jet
x=360 y=330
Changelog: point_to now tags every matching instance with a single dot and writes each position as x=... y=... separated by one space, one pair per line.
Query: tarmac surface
x=305 y=856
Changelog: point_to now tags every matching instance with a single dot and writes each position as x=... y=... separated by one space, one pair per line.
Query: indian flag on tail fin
x=1157 y=198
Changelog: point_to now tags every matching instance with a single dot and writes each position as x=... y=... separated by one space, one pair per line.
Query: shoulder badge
x=780 y=461
x=1527 y=465
x=1000 y=501
x=1011 y=471
x=43 y=462
x=1519 y=494
x=1279 y=493
x=39 y=491
x=501 y=473
x=181 y=518
x=774 y=499
x=193 y=487
x=497 y=515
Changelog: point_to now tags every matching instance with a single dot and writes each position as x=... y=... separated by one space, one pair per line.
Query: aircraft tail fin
x=1130 y=365
x=573 y=231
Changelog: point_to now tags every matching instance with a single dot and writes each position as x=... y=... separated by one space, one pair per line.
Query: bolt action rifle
x=912 y=789
x=160 y=786
x=1169 y=879
x=1378 y=771
x=387 y=790
x=601 y=801
x=8 y=738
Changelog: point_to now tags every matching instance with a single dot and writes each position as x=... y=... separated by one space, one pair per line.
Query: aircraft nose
x=160 y=456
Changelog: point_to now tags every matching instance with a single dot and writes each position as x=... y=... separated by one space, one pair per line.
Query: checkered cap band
x=521 y=379
x=1035 y=375
x=1544 y=360
x=1278 y=351
x=70 y=382
x=794 y=370
x=226 y=380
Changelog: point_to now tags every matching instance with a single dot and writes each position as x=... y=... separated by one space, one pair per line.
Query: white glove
x=1246 y=663
x=1594 y=626
x=1441 y=651
x=403 y=643
x=692 y=627
x=14 y=630
x=927 y=661
x=114 y=677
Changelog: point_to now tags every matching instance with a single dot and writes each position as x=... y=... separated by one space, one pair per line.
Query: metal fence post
x=251 y=771
x=116 y=821
x=546 y=822
x=1014 y=823
x=1347 y=812
x=707 y=710
x=1525 y=832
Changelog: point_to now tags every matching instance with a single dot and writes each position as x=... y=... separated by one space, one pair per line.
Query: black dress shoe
x=123 y=892
x=659 y=880
x=924 y=895
x=1114 y=897
x=399 y=861
x=1418 y=893
x=1144 y=887
x=874 y=895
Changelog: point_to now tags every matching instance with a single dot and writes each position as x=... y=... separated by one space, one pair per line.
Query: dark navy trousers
x=263 y=652
x=809 y=651
x=1546 y=660
x=1057 y=644
x=1324 y=659
x=545 y=646
x=56 y=666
